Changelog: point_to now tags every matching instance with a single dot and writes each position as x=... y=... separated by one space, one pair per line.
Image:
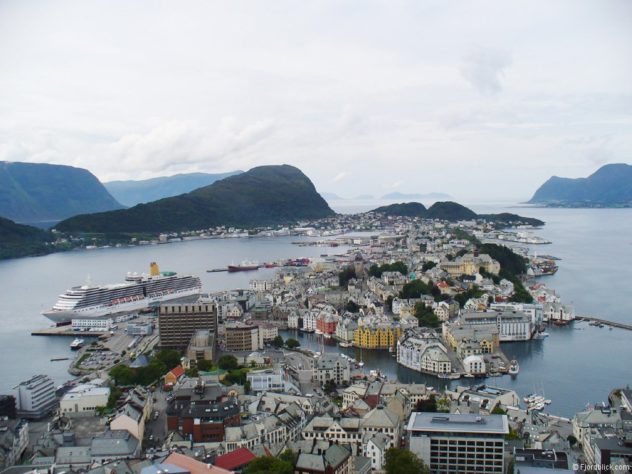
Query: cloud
x=340 y=176
x=484 y=69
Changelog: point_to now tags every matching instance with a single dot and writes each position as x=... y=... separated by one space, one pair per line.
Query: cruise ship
x=138 y=292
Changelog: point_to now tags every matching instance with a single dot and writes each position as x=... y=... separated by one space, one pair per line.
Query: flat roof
x=458 y=423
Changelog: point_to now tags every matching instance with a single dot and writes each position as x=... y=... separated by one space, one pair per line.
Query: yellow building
x=377 y=336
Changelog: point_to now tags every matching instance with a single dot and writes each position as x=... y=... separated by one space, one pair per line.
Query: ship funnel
x=153 y=269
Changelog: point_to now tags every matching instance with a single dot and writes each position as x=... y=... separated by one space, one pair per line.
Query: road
x=157 y=427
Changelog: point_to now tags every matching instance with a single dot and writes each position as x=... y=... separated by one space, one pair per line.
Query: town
x=221 y=383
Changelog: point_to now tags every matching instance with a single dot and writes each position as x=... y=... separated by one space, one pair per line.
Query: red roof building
x=235 y=460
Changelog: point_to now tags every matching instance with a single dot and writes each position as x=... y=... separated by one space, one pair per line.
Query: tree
x=330 y=386
x=426 y=316
x=292 y=343
x=428 y=405
x=268 y=464
x=205 y=365
x=123 y=375
x=277 y=342
x=288 y=456
x=402 y=461
x=352 y=306
x=345 y=275
x=415 y=289
x=398 y=266
x=571 y=440
x=428 y=266
x=169 y=357
x=192 y=372
x=498 y=410
x=228 y=362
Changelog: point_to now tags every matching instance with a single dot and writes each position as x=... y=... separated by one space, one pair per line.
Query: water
x=574 y=366
x=31 y=285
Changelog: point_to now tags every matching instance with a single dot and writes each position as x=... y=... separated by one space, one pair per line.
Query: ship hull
x=61 y=316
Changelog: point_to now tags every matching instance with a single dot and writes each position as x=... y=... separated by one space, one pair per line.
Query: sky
x=481 y=100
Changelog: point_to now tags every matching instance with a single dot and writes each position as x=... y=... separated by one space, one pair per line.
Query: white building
x=512 y=325
x=534 y=310
x=474 y=364
x=261 y=285
x=332 y=367
x=267 y=332
x=83 y=400
x=36 y=397
x=423 y=351
x=465 y=443
x=99 y=324
x=309 y=321
x=558 y=312
x=375 y=447
x=267 y=380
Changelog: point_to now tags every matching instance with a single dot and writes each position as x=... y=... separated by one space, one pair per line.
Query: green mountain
x=17 y=240
x=609 y=186
x=130 y=193
x=39 y=192
x=405 y=209
x=452 y=211
x=266 y=195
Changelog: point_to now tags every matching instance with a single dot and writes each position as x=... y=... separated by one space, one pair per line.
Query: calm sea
x=574 y=366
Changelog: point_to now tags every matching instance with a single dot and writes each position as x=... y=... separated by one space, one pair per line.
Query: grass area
x=81 y=360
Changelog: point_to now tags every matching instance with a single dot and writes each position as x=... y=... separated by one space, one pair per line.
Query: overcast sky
x=481 y=100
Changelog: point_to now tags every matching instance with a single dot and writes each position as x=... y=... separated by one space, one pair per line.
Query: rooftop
x=458 y=423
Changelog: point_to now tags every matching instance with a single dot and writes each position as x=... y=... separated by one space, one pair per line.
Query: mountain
x=398 y=196
x=405 y=209
x=40 y=192
x=17 y=240
x=130 y=193
x=452 y=211
x=609 y=186
x=265 y=195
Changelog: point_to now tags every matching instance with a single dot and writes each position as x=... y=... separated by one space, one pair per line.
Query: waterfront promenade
x=605 y=322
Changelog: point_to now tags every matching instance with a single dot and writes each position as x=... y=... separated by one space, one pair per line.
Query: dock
x=66 y=331
x=605 y=322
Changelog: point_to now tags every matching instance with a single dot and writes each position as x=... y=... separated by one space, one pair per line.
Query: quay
x=66 y=331
x=605 y=322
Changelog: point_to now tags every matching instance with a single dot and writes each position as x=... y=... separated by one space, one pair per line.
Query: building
x=423 y=351
x=335 y=459
x=470 y=264
x=36 y=397
x=459 y=443
x=113 y=445
x=83 y=400
x=172 y=377
x=332 y=367
x=242 y=337
x=131 y=419
x=375 y=447
x=512 y=325
x=537 y=459
x=474 y=365
x=345 y=330
x=178 y=322
x=235 y=460
x=202 y=345
x=267 y=380
x=267 y=333
x=95 y=324
x=140 y=328
x=14 y=439
x=377 y=335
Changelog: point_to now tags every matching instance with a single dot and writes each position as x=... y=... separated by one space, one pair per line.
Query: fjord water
x=574 y=366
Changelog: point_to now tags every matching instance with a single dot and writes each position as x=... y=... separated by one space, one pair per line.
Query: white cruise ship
x=138 y=292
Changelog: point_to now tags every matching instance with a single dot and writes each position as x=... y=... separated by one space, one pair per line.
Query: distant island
x=40 y=194
x=129 y=193
x=401 y=196
x=452 y=211
x=609 y=186
x=266 y=195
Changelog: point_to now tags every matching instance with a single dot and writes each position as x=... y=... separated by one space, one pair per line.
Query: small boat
x=76 y=344
x=345 y=344
x=514 y=368
x=361 y=364
x=469 y=376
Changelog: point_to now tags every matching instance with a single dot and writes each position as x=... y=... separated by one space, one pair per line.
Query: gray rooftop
x=458 y=423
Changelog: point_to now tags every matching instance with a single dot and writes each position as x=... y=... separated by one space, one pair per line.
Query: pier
x=605 y=322
x=66 y=331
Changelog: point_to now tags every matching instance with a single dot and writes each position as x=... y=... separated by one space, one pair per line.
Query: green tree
x=169 y=357
x=415 y=289
x=228 y=362
x=205 y=365
x=330 y=386
x=292 y=343
x=267 y=465
x=426 y=316
x=571 y=440
x=277 y=342
x=403 y=461
x=398 y=266
x=123 y=375
x=352 y=306
x=428 y=405
x=345 y=275
x=498 y=410
x=192 y=372
x=428 y=266
x=288 y=456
